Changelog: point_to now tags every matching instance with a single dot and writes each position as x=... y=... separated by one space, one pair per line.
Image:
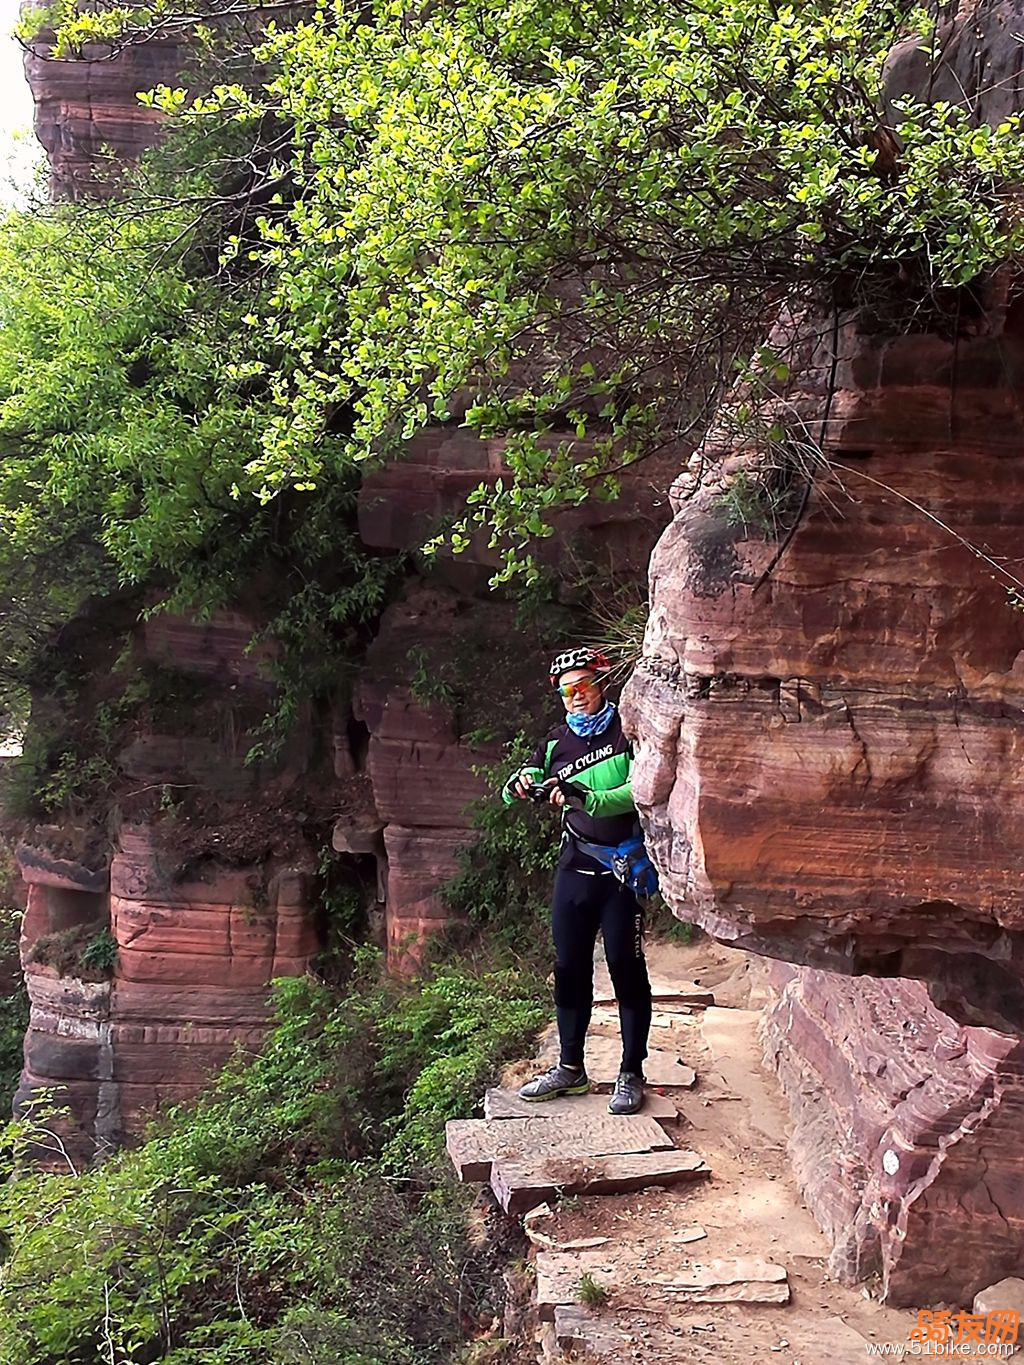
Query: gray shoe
x=557 y=1080
x=628 y=1094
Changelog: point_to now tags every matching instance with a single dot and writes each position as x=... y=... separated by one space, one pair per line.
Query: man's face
x=586 y=696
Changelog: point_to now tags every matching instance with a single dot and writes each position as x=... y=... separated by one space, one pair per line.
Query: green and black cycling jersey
x=600 y=763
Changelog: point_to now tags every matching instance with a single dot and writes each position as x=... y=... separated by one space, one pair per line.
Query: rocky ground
x=660 y=1256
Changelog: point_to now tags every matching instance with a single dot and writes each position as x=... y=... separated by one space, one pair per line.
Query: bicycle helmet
x=581 y=657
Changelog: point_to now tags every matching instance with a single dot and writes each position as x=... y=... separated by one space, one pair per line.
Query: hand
x=557 y=797
x=521 y=786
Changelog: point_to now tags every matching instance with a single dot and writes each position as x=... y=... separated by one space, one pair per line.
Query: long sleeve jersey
x=602 y=764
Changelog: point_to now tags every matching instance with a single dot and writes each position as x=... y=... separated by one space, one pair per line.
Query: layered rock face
x=830 y=731
x=148 y=955
x=907 y=1133
x=422 y=769
x=827 y=753
x=87 y=114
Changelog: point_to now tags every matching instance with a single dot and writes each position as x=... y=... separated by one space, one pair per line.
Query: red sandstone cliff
x=203 y=878
x=87 y=113
x=826 y=755
x=830 y=743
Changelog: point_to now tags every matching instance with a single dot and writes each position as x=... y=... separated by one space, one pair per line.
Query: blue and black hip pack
x=629 y=862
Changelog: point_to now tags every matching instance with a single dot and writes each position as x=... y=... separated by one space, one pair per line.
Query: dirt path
x=750 y=1211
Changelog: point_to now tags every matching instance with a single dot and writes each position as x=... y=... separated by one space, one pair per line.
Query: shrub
x=450 y=1036
x=591 y=1292
x=268 y=1223
x=13 y=1023
x=13 y=1005
x=100 y=953
x=503 y=885
x=85 y=951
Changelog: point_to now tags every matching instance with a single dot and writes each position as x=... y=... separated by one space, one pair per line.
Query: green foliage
x=14 y=1009
x=266 y=1224
x=432 y=682
x=404 y=259
x=83 y=951
x=756 y=502
x=661 y=923
x=503 y=885
x=488 y=669
x=68 y=762
x=132 y=402
x=100 y=953
x=455 y=1030
x=700 y=163
x=591 y=1292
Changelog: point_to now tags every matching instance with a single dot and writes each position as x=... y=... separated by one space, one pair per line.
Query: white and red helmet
x=581 y=657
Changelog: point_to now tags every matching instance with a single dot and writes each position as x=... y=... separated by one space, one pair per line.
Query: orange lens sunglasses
x=571 y=689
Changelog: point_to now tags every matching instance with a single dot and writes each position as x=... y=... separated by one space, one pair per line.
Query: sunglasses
x=572 y=689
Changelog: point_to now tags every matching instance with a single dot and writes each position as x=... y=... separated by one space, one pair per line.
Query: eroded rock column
x=150 y=941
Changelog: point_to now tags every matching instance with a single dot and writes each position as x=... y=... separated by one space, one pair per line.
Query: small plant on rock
x=591 y=1292
x=79 y=951
x=100 y=953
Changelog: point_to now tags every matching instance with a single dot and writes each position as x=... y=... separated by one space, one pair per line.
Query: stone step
x=522 y=1185
x=746 y=1279
x=506 y=1104
x=663 y=1067
x=474 y=1144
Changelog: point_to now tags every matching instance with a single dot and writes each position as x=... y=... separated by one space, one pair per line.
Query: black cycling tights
x=582 y=905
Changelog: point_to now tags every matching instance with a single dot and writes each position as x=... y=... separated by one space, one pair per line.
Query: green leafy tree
x=572 y=226
x=131 y=419
x=568 y=227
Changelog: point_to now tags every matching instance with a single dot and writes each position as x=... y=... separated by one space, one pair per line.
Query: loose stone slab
x=506 y=1104
x=521 y=1185
x=559 y=1272
x=696 y=1232
x=746 y=1279
x=576 y=1326
x=541 y=1214
x=474 y=1144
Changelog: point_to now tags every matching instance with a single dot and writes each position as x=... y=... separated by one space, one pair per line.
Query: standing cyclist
x=584 y=766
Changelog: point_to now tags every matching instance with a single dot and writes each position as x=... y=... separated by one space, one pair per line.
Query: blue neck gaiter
x=585 y=726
